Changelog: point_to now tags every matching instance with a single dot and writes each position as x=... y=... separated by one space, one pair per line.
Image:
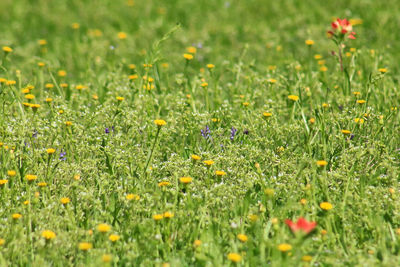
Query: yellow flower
x=317 y=57
x=306 y=258
x=325 y=105
x=326 y=206
x=220 y=173
x=26 y=202
x=309 y=42
x=62 y=73
x=242 y=237
x=197 y=243
x=303 y=201
x=321 y=62
x=322 y=163
x=312 y=120
x=132 y=197
x=120 y=98
x=348 y=54
x=323 y=69
x=353 y=49
x=293 y=97
x=3 y=182
x=133 y=77
x=245 y=104
x=85 y=246
x=158 y=217
x=64 y=85
x=132 y=66
x=253 y=217
x=11 y=82
x=35 y=106
x=195 y=157
x=42 y=184
x=271 y=80
x=7 y=49
x=16 y=216
x=163 y=183
x=191 y=49
x=11 y=173
x=354 y=22
x=361 y=101
x=165 y=65
x=106 y=258
x=81 y=87
x=210 y=66
x=235 y=257
x=48 y=234
x=208 y=162
x=75 y=25
x=49 y=85
x=122 y=35
x=41 y=64
x=68 y=123
x=382 y=70
x=168 y=215
x=272 y=67
x=285 y=247
x=2 y=241
x=185 y=180
x=356 y=93
x=30 y=177
x=358 y=120
x=29 y=96
x=204 y=84
x=65 y=200
x=48 y=100
x=346 y=132
x=114 y=238
x=103 y=228
x=324 y=232
x=160 y=123
x=50 y=151
x=188 y=56
x=267 y=114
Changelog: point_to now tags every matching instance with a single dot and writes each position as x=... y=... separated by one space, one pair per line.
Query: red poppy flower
x=301 y=224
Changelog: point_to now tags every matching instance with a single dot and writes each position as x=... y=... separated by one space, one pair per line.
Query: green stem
x=151 y=151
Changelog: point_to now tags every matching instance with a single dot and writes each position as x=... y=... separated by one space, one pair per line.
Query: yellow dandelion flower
x=106 y=258
x=132 y=197
x=50 y=151
x=160 y=122
x=324 y=232
x=30 y=177
x=120 y=98
x=208 y=162
x=346 y=132
x=11 y=82
x=326 y=206
x=197 y=243
x=85 y=246
x=317 y=57
x=65 y=200
x=321 y=62
x=361 y=101
x=382 y=70
x=188 y=56
x=220 y=173
x=306 y=258
x=356 y=93
x=2 y=241
x=322 y=163
x=3 y=182
x=355 y=22
x=48 y=234
x=185 y=180
x=168 y=215
x=122 y=35
x=246 y=104
x=234 y=257
x=41 y=64
x=242 y=237
x=325 y=105
x=285 y=247
x=348 y=54
x=68 y=123
x=303 y=201
x=29 y=96
x=359 y=120
x=311 y=120
x=16 y=216
x=11 y=173
x=7 y=49
x=49 y=85
x=210 y=66
x=158 y=217
x=114 y=238
x=293 y=97
x=62 y=73
x=64 y=85
x=191 y=49
x=80 y=87
x=42 y=184
x=195 y=157
x=204 y=84
x=48 y=100
x=103 y=228
x=267 y=114
x=132 y=66
x=309 y=42
x=323 y=69
x=271 y=80
x=75 y=26
x=163 y=183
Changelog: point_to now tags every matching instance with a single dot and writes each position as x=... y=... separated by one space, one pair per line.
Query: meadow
x=199 y=133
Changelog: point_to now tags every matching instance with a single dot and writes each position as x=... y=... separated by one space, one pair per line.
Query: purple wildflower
x=107 y=131
x=206 y=133
x=63 y=155
x=233 y=132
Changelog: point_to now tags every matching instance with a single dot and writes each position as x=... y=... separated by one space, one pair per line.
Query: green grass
x=113 y=148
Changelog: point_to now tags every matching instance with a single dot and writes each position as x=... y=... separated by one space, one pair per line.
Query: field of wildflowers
x=199 y=133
